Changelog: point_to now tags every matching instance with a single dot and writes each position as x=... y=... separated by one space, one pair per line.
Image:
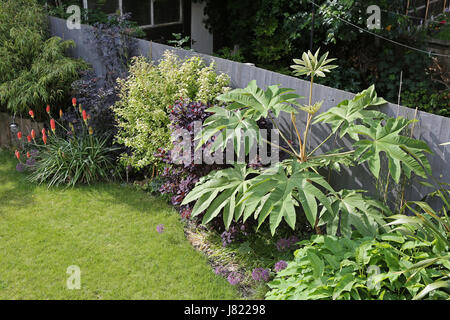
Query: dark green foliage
x=34 y=70
x=270 y=33
x=327 y=267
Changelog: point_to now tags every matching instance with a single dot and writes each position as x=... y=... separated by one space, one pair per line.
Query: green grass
x=109 y=231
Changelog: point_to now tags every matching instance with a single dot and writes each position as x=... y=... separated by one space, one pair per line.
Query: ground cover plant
x=109 y=231
x=410 y=262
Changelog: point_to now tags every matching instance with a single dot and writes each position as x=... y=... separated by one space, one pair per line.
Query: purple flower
x=283 y=244
x=280 y=265
x=31 y=162
x=160 y=228
x=261 y=274
x=293 y=241
x=234 y=278
x=221 y=271
x=20 y=167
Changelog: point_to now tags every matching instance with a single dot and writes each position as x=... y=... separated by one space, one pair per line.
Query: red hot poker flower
x=17 y=153
x=43 y=131
x=19 y=135
x=74 y=101
x=31 y=113
x=44 y=138
x=29 y=138
x=53 y=125
x=33 y=134
x=60 y=113
x=28 y=155
x=48 y=109
x=84 y=114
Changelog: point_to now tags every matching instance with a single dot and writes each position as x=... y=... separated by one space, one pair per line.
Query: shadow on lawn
x=15 y=190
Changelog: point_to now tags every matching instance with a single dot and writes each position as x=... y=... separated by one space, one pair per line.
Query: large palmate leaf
x=225 y=125
x=353 y=210
x=404 y=153
x=276 y=193
x=236 y=122
x=220 y=191
x=345 y=114
x=258 y=103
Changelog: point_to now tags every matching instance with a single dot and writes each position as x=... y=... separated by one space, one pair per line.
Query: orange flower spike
x=44 y=138
x=19 y=135
x=31 y=113
x=33 y=134
x=17 y=153
x=85 y=116
x=53 y=125
x=48 y=109
x=74 y=102
x=43 y=131
x=60 y=113
x=29 y=138
x=28 y=155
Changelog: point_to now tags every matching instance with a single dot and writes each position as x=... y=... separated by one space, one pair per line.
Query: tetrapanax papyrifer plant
x=275 y=193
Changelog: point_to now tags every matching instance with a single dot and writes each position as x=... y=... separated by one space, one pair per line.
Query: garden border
x=432 y=129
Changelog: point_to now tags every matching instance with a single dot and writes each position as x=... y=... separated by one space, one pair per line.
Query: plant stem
x=282 y=135
x=333 y=154
x=331 y=134
x=281 y=148
x=293 y=118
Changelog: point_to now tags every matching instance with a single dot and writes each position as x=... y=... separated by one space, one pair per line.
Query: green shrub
x=33 y=68
x=437 y=103
x=149 y=91
x=328 y=267
x=409 y=262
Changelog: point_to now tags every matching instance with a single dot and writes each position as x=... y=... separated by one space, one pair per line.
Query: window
x=107 y=6
x=139 y=9
x=154 y=13
x=166 y=11
x=147 y=13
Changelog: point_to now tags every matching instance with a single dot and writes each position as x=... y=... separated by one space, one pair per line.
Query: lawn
x=108 y=231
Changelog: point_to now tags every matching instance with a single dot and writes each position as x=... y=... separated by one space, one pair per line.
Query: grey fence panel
x=433 y=129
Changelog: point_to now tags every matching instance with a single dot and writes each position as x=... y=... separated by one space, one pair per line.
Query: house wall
x=432 y=129
x=202 y=39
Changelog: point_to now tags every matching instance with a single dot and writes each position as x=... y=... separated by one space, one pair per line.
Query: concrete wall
x=433 y=129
